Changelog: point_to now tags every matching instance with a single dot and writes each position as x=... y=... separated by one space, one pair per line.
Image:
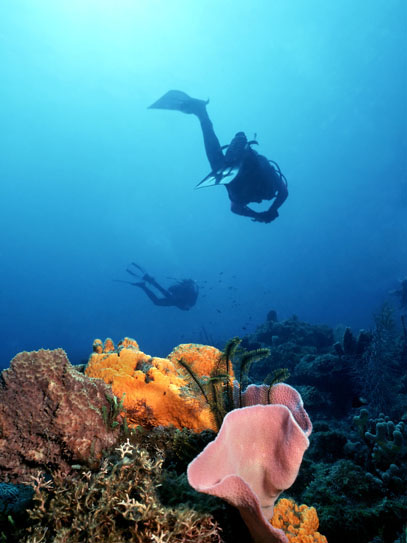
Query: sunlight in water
x=126 y=11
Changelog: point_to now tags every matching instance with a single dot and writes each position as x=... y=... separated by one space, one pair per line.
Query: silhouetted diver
x=183 y=294
x=248 y=176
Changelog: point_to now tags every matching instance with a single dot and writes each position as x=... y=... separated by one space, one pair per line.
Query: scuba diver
x=183 y=294
x=248 y=176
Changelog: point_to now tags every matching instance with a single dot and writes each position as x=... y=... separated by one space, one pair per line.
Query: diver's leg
x=211 y=142
x=154 y=283
x=135 y=273
x=212 y=146
x=138 y=267
x=153 y=297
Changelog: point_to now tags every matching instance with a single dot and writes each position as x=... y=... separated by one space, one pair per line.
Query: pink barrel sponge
x=255 y=456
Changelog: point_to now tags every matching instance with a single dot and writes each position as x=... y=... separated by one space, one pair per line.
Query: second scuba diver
x=183 y=294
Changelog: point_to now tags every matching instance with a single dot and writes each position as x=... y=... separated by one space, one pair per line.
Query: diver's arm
x=245 y=211
x=263 y=216
x=281 y=197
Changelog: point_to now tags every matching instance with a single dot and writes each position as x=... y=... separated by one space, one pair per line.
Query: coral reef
x=157 y=391
x=381 y=368
x=14 y=501
x=351 y=346
x=51 y=416
x=294 y=331
x=256 y=454
x=335 y=375
x=385 y=450
x=354 y=475
x=116 y=504
x=353 y=506
x=138 y=494
x=14 y=498
x=316 y=369
x=354 y=472
x=300 y=523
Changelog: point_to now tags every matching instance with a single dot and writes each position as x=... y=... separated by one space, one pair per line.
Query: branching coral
x=117 y=504
x=299 y=522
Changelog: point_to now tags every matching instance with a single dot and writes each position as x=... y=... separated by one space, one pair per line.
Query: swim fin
x=178 y=101
x=221 y=177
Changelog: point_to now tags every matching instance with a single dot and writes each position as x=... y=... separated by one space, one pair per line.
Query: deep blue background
x=91 y=180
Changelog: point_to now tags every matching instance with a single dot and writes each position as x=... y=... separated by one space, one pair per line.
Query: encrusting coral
x=299 y=522
x=157 y=391
x=51 y=416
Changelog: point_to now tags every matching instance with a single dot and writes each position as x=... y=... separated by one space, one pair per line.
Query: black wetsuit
x=183 y=294
x=257 y=179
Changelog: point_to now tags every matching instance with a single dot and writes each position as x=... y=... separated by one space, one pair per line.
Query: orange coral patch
x=156 y=392
x=201 y=358
x=299 y=523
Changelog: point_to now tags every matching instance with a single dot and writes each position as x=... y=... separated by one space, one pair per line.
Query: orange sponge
x=202 y=359
x=157 y=390
x=299 y=522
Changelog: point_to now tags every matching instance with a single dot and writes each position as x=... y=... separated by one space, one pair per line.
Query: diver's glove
x=266 y=216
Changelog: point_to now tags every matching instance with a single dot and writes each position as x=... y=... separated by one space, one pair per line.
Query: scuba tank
x=235 y=149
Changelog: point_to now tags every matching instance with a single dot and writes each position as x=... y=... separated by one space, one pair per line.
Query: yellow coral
x=157 y=391
x=299 y=523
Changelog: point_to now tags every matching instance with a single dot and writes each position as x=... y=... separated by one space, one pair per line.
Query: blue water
x=90 y=179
